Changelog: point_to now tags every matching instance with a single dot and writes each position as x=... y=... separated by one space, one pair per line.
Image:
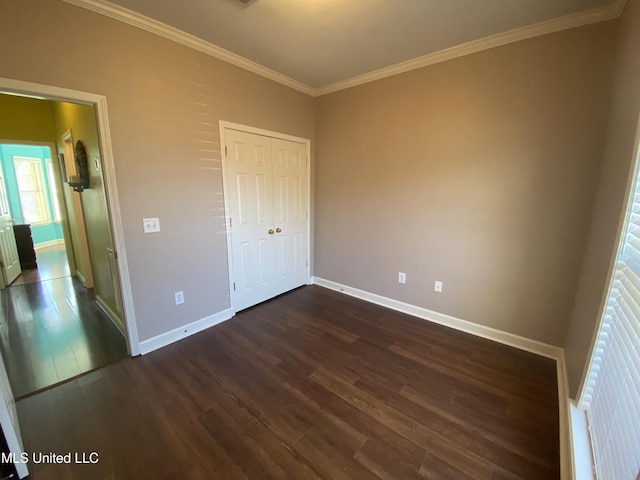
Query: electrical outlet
x=402 y=277
x=179 y=297
x=438 y=286
x=151 y=225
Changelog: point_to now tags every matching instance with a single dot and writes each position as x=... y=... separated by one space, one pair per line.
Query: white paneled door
x=8 y=251
x=267 y=206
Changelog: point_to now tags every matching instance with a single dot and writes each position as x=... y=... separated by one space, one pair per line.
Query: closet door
x=249 y=181
x=267 y=206
x=290 y=213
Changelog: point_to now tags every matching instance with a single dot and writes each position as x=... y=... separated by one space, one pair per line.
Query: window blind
x=611 y=395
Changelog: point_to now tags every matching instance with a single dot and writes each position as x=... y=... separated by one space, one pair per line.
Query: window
x=33 y=196
x=53 y=192
x=611 y=395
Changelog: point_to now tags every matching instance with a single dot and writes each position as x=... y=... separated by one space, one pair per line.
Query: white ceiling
x=321 y=42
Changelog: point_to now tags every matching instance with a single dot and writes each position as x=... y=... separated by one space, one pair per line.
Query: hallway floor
x=52 y=331
x=52 y=263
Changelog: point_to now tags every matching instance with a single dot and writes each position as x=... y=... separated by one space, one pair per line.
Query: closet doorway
x=266 y=186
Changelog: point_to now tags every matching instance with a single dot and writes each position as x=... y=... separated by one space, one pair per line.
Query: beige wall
x=164 y=101
x=617 y=162
x=479 y=172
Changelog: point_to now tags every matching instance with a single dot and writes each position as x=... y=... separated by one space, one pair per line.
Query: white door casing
x=100 y=104
x=9 y=421
x=267 y=201
x=8 y=250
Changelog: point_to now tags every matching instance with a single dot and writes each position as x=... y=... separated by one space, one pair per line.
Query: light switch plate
x=151 y=225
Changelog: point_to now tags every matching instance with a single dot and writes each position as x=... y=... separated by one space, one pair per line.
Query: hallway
x=51 y=331
x=52 y=263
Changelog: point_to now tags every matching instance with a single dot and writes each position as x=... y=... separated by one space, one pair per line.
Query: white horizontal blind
x=612 y=392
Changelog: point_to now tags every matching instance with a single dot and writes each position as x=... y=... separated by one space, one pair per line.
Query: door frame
x=225 y=190
x=99 y=102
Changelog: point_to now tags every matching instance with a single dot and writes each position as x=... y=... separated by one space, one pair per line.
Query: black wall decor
x=80 y=181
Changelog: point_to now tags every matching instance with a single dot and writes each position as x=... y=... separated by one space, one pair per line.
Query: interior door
x=8 y=250
x=290 y=213
x=249 y=181
x=267 y=192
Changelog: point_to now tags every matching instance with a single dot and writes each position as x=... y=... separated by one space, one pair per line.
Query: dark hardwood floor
x=52 y=263
x=51 y=331
x=310 y=385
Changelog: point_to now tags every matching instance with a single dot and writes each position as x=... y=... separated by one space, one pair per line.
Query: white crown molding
x=145 y=23
x=543 y=28
x=135 y=19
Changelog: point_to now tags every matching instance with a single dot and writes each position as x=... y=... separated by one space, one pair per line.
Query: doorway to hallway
x=53 y=330
x=59 y=320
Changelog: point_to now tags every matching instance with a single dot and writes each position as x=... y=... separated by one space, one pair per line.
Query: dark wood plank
x=312 y=384
x=52 y=331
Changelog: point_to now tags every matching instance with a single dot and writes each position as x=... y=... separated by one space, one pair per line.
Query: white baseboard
x=506 y=338
x=81 y=278
x=49 y=243
x=113 y=316
x=164 y=339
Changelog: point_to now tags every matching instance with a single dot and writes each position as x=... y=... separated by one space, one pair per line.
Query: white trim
x=267 y=133
x=567 y=471
x=100 y=104
x=260 y=131
x=581 y=455
x=536 y=30
x=164 y=339
x=549 y=26
x=111 y=192
x=113 y=316
x=506 y=338
x=49 y=243
x=150 y=25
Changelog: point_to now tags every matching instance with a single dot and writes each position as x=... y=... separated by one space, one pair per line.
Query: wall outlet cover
x=179 y=297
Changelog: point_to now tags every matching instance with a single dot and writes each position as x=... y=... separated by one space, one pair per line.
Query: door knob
x=278 y=230
x=271 y=231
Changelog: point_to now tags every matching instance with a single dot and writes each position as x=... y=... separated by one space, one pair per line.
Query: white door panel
x=267 y=182
x=8 y=250
x=250 y=209
x=290 y=194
